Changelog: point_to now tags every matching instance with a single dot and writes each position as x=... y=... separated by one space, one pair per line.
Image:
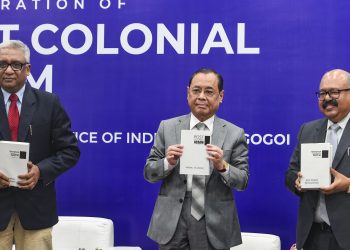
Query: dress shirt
x=342 y=125
x=7 y=98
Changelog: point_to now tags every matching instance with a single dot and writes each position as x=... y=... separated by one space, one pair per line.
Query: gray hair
x=17 y=44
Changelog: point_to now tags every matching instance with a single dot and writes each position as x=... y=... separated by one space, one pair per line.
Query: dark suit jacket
x=338 y=204
x=222 y=223
x=53 y=148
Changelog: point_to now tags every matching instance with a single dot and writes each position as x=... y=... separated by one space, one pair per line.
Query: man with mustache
x=323 y=218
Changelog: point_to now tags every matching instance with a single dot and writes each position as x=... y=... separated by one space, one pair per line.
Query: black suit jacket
x=53 y=148
x=338 y=204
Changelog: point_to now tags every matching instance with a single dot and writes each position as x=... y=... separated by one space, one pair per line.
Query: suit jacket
x=222 y=223
x=53 y=148
x=338 y=204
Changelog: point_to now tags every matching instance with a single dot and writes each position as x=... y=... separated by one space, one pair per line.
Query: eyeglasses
x=16 y=66
x=207 y=92
x=333 y=93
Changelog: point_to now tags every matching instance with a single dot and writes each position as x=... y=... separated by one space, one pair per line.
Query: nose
x=9 y=70
x=328 y=96
x=201 y=95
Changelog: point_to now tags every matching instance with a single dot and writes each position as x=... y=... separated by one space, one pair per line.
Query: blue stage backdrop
x=121 y=66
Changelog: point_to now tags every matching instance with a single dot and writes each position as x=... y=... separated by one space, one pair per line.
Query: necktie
x=13 y=117
x=198 y=187
x=333 y=137
x=321 y=211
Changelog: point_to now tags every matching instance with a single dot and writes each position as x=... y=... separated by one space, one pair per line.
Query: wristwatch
x=226 y=166
x=349 y=190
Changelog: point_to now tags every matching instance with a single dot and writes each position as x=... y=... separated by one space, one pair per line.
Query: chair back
x=258 y=241
x=83 y=232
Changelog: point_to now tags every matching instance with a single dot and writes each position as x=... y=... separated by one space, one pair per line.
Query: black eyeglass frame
x=15 y=66
x=333 y=93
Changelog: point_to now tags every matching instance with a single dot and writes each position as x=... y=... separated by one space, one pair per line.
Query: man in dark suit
x=323 y=219
x=173 y=225
x=29 y=211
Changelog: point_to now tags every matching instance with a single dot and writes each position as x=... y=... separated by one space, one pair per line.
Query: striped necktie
x=198 y=188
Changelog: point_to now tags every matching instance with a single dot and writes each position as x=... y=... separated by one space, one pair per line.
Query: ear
x=188 y=92
x=28 y=68
x=221 y=96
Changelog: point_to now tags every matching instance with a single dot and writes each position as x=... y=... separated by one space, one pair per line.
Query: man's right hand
x=4 y=181
x=173 y=153
x=298 y=182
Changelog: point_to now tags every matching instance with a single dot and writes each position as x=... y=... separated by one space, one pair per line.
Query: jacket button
x=181 y=200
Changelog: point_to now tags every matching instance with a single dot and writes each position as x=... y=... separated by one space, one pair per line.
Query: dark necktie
x=321 y=210
x=198 y=187
x=13 y=117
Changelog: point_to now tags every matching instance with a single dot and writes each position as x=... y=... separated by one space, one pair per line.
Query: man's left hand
x=215 y=154
x=340 y=183
x=29 y=180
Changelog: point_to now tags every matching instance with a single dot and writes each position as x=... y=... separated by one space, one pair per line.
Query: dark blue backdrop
x=129 y=92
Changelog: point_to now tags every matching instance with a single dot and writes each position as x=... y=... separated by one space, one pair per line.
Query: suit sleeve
x=294 y=166
x=64 y=146
x=238 y=173
x=154 y=168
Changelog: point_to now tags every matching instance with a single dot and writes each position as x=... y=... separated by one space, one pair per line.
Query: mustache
x=332 y=102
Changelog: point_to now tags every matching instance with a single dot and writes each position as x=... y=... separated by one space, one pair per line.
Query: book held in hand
x=194 y=157
x=315 y=161
x=13 y=160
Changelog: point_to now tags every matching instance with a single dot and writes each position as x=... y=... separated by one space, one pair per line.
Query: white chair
x=88 y=233
x=258 y=241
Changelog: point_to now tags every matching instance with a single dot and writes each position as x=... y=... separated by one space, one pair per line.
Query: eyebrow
x=1 y=61
x=204 y=87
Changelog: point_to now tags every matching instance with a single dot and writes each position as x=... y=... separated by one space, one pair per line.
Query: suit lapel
x=219 y=132
x=183 y=124
x=217 y=138
x=4 y=125
x=27 y=111
x=343 y=145
x=321 y=130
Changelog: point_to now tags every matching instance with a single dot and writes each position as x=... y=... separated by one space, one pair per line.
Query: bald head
x=336 y=75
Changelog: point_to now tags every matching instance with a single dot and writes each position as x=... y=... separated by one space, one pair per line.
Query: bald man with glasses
x=323 y=218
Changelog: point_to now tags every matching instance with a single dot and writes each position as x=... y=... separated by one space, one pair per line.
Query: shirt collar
x=19 y=93
x=209 y=122
x=341 y=123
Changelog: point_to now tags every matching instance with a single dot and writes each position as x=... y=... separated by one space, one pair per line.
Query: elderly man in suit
x=28 y=212
x=176 y=223
x=323 y=219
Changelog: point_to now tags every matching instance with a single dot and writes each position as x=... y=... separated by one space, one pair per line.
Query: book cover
x=316 y=161
x=13 y=160
x=194 y=158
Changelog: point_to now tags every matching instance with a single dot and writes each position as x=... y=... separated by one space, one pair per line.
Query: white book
x=194 y=157
x=13 y=160
x=315 y=161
